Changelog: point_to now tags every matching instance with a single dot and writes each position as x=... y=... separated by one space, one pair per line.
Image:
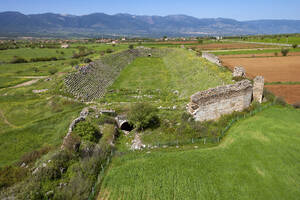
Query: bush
x=52 y=71
x=87 y=60
x=18 y=60
x=87 y=131
x=276 y=54
x=284 y=52
x=143 y=116
x=279 y=101
x=238 y=78
x=74 y=62
x=34 y=155
x=109 y=51
x=296 y=105
x=11 y=175
x=131 y=46
x=295 y=46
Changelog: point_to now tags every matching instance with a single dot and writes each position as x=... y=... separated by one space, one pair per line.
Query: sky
x=235 y=9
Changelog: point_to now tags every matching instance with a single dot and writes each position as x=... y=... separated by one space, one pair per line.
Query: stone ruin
x=258 y=88
x=212 y=58
x=213 y=103
x=239 y=72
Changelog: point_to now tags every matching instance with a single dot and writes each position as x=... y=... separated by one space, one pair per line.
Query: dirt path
x=35 y=79
x=6 y=121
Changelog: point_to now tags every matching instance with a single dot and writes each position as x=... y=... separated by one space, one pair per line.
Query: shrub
x=268 y=95
x=10 y=175
x=295 y=46
x=74 y=62
x=238 y=78
x=296 y=105
x=276 y=54
x=200 y=41
x=52 y=71
x=279 y=101
x=87 y=60
x=131 y=46
x=284 y=52
x=87 y=131
x=143 y=115
x=109 y=50
x=34 y=155
x=18 y=60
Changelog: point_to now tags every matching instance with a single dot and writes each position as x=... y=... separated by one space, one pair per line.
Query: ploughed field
x=274 y=69
x=291 y=93
x=258 y=159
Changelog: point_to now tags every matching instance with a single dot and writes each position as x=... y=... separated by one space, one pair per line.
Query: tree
x=200 y=41
x=295 y=46
x=284 y=52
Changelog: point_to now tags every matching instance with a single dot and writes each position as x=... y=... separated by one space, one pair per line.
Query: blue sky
x=236 y=9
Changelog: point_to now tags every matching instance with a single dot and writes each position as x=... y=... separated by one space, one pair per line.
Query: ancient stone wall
x=258 y=88
x=213 y=103
x=212 y=58
x=239 y=72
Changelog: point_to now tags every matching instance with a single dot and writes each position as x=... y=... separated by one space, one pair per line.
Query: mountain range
x=98 y=24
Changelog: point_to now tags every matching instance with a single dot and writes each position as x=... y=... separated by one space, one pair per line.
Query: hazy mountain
x=96 y=24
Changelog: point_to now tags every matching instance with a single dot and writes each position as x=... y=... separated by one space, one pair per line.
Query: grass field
x=28 y=53
x=258 y=159
x=178 y=70
x=281 y=39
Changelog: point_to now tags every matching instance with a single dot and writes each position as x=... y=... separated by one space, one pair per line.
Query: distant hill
x=49 y=24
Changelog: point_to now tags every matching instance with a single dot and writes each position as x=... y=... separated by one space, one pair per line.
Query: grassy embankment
x=31 y=121
x=165 y=82
x=258 y=159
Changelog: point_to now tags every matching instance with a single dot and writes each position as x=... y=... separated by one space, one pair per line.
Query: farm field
x=279 y=39
x=291 y=93
x=228 y=46
x=272 y=68
x=224 y=56
x=258 y=159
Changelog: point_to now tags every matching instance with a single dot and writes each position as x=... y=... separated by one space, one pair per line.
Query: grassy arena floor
x=258 y=159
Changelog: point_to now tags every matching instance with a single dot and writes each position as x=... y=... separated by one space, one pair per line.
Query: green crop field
x=258 y=159
x=28 y=53
x=274 y=39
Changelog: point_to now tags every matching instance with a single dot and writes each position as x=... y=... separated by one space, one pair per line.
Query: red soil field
x=257 y=55
x=291 y=93
x=274 y=69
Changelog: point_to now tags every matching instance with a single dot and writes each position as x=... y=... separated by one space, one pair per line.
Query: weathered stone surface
x=239 y=72
x=213 y=103
x=258 y=88
x=212 y=58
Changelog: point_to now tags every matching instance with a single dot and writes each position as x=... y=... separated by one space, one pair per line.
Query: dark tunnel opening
x=126 y=127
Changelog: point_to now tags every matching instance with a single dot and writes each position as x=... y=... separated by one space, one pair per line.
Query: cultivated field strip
x=91 y=81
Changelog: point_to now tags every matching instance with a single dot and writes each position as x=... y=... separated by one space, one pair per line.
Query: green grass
x=258 y=159
x=154 y=80
x=178 y=70
x=283 y=83
x=28 y=53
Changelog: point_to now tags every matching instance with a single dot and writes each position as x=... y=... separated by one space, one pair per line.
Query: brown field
x=258 y=55
x=225 y=46
x=274 y=69
x=291 y=93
